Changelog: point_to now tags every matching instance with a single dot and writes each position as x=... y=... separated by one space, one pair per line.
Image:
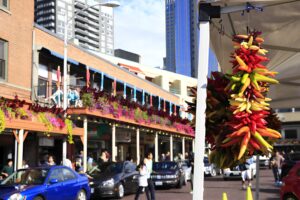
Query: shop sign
x=46 y=142
x=123 y=137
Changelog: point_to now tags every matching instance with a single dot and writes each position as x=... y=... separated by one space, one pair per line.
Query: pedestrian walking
x=143 y=181
x=149 y=164
x=276 y=163
x=246 y=172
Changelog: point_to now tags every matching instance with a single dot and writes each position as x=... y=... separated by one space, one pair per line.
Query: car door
x=70 y=186
x=54 y=185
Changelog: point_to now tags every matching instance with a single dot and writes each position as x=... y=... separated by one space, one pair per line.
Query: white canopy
x=279 y=22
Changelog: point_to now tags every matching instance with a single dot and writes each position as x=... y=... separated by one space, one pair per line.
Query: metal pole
x=156 y=147
x=113 y=146
x=65 y=68
x=138 y=146
x=85 y=127
x=200 y=110
x=257 y=179
x=20 y=149
x=171 y=148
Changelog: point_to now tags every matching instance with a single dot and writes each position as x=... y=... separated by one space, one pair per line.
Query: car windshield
x=114 y=168
x=27 y=177
x=164 y=166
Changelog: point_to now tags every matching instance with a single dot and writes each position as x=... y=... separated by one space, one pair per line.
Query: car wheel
x=38 y=198
x=213 y=172
x=290 y=197
x=81 y=195
x=121 y=191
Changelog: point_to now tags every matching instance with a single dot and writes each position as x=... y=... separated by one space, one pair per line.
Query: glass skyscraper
x=182 y=38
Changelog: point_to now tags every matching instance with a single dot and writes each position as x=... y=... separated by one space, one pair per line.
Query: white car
x=235 y=172
x=264 y=161
x=209 y=168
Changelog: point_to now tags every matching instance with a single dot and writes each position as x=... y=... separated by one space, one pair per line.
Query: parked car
x=168 y=173
x=116 y=180
x=235 y=172
x=290 y=160
x=56 y=182
x=264 y=161
x=290 y=189
x=209 y=168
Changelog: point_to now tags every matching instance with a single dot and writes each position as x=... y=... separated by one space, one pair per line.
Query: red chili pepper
x=252 y=126
x=232 y=142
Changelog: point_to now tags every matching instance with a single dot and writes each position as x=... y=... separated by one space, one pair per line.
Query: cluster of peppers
x=242 y=129
x=249 y=83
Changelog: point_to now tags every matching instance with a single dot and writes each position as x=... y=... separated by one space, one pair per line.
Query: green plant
x=43 y=119
x=22 y=113
x=2 y=121
x=69 y=125
x=87 y=100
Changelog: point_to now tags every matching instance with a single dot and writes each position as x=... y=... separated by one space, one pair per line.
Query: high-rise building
x=92 y=29
x=182 y=36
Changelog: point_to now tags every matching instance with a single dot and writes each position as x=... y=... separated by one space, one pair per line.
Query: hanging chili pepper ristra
x=247 y=129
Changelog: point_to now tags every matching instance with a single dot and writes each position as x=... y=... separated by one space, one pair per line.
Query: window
x=56 y=174
x=4 y=3
x=42 y=87
x=68 y=174
x=290 y=133
x=3 y=59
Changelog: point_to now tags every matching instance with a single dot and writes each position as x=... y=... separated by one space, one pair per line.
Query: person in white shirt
x=149 y=164
x=143 y=181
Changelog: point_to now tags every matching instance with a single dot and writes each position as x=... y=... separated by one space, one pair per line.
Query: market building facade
x=109 y=107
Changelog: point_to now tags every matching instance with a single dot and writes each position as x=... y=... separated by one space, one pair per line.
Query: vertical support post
x=64 y=151
x=138 y=146
x=113 y=146
x=257 y=186
x=171 y=147
x=20 y=149
x=102 y=81
x=85 y=135
x=143 y=97
x=16 y=155
x=159 y=101
x=124 y=91
x=156 y=147
x=183 y=148
x=200 y=110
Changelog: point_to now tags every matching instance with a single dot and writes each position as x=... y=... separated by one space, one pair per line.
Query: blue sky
x=140 y=28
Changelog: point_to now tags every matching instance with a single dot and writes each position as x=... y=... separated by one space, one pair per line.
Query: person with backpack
x=143 y=181
x=246 y=172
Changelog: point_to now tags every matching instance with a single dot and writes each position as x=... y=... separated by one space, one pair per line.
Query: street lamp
x=107 y=3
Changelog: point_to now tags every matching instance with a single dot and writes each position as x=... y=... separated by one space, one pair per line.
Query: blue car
x=45 y=183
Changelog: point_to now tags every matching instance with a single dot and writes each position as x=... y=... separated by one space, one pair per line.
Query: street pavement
x=215 y=186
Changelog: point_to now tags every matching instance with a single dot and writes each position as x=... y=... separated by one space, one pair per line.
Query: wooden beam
x=16 y=136
x=25 y=135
